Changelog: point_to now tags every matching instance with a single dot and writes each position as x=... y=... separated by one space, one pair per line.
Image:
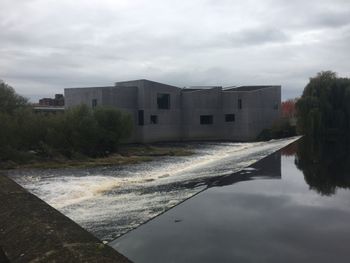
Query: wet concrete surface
x=33 y=231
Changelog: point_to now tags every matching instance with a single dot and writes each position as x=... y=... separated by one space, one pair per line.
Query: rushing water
x=110 y=201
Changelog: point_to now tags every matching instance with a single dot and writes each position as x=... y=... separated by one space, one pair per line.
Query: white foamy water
x=110 y=201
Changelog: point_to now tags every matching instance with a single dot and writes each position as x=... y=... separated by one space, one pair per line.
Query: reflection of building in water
x=266 y=168
x=290 y=150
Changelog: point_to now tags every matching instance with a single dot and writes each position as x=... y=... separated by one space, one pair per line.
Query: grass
x=127 y=154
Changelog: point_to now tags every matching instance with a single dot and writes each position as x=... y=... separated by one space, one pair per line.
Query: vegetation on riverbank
x=323 y=111
x=127 y=154
x=79 y=137
x=282 y=128
x=324 y=107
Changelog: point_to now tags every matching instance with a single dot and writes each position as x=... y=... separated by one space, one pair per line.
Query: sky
x=48 y=45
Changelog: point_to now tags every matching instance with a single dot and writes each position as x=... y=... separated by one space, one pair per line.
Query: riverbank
x=33 y=231
x=127 y=154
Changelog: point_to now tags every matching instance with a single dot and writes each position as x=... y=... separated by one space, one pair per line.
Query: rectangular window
x=163 y=101
x=141 y=118
x=229 y=117
x=94 y=103
x=154 y=119
x=206 y=119
x=275 y=107
x=240 y=104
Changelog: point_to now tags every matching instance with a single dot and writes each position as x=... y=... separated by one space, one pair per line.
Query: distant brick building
x=50 y=105
x=57 y=101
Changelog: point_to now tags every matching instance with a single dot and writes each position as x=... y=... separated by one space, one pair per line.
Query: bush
x=80 y=131
x=92 y=133
x=114 y=126
x=10 y=101
x=281 y=128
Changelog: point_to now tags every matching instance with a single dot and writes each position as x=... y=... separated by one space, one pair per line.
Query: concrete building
x=167 y=113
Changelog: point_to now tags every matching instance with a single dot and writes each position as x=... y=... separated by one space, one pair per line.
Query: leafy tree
x=9 y=99
x=114 y=126
x=80 y=131
x=288 y=108
x=323 y=109
x=76 y=131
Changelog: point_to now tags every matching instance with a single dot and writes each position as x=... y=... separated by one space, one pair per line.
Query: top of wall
x=100 y=87
x=150 y=83
x=142 y=82
x=249 y=88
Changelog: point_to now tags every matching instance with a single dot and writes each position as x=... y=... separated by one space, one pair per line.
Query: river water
x=292 y=206
x=110 y=201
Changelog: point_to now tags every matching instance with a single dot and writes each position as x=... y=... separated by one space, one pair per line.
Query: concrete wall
x=197 y=103
x=182 y=120
x=33 y=231
x=123 y=98
x=78 y=96
x=264 y=109
x=169 y=120
x=258 y=112
x=237 y=130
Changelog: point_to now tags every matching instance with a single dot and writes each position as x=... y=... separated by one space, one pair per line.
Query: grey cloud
x=258 y=36
x=48 y=45
x=332 y=19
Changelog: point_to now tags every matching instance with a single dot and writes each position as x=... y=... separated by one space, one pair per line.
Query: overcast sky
x=48 y=45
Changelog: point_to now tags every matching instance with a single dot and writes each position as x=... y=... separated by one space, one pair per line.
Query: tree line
x=323 y=110
x=79 y=131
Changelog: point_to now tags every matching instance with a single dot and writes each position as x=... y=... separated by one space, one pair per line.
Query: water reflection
x=274 y=220
x=266 y=168
x=325 y=164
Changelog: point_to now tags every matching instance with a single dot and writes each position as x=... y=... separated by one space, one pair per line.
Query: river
x=110 y=201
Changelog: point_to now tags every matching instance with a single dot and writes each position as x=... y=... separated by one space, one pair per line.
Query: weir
x=110 y=201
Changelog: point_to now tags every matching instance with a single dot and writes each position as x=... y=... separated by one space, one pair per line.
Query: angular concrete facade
x=167 y=113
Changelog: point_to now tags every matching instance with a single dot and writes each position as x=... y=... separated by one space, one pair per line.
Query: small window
x=275 y=107
x=141 y=118
x=229 y=117
x=154 y=119
x=240 y=104
x=163 y=101
x=206 y=119
x=94 y=103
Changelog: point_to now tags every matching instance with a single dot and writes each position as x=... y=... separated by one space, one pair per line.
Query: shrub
x=80 y=131
x=281 y=128
x=114 y=126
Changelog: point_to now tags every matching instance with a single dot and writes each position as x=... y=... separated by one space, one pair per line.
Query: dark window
x=239 y=103
x=154 y=119
x=275 y=107
x=229 y=117
x=94 y=103
x=141 y=118
x=206 y=119
x=163 y=101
